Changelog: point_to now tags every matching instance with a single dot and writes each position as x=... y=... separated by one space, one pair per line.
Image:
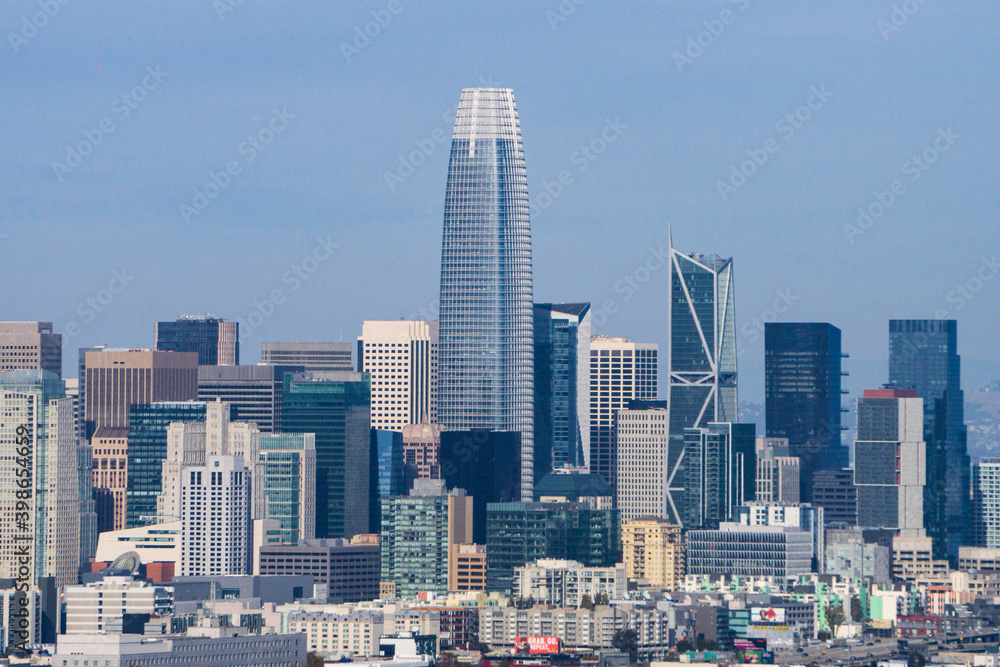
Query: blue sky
x=304 y=237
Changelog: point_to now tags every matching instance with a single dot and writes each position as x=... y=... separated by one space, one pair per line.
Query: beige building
x=466 y=567
x=654 y=552
x=620 y=371
x=422 y=449
x=644 y=473
x=913 y=561
x=564 y=583
x=156 y=543
x=401 y=358
x=109 y=476
x=777 y=472
x=118 y=378
x=29 y=345
x=982 y=559
x=313 y=356
x=99 y=607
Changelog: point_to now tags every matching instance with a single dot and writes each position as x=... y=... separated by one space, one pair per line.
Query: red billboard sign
x=536 y=644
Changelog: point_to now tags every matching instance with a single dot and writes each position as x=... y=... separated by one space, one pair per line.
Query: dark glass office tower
x=487 y=465
x=720 y=465
x=485 y=354
x=562 y=386
x=216 y=341
x=923 y=355
x=336 y=406
x=147 y=450
x=802 y=376
x=702 y=348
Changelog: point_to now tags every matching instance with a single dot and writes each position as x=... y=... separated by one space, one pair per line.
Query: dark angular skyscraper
x=485 y=354
x=702 y=351
x=923 y=355
x=562 y=386
x=802 y=362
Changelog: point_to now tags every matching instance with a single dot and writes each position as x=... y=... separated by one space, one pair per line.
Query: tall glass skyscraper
x=802 y=370
x=485 y=358
x=923 y=355
x=702 y=351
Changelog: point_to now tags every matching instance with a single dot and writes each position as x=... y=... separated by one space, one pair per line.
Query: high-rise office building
x=147 y=450
x=84 y=465
x=653 y=551
x=834 y=491
x=311 y=356
x=109 y=460
x=216 y=341
x=485 y=357
x=519 y=533
x=29 y=345
x=752 y=551
x=702 y=350
x=288 y=462
x=254 y=392
x=647 y=474
x=986 y=503
x=802 y=370
x=778 y=474
x=401 y=358
x=890 y=460
x=562 y=386
x=215 y=517
x=119 y=378
x=335 y=406
x=418 y=533
x=923 y=355
x=39 y=484
x=422 y=450
x=487 y=464
x=788 y=515
x=620 y=371
x=393 y=479
x=719 y=472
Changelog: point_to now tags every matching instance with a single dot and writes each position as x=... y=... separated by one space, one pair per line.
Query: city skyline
x=608 y=218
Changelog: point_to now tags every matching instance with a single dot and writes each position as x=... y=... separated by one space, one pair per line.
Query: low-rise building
x=108 y=605
x=563 y=583
x=343 y=570
x=750 y=550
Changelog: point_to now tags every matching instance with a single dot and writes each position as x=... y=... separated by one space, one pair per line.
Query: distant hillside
x=982 y=416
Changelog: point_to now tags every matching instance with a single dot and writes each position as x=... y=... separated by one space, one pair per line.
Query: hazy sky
x=190 y=157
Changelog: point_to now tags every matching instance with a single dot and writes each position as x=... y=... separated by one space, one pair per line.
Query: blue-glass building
x=147 y=450
x=485 y=353
x=720 y=466
x=336 y=406
x=702 y=348
x=388 y=447
x=923 y=355
x=802 y=369
x=217 y=342
x=562 y=386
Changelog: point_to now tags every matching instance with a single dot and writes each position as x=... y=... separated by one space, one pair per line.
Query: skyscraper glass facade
x=802 y=368
x=562 y=386
x=147 y=450
x=702 y=354
x=485 y=360
x=923 y=355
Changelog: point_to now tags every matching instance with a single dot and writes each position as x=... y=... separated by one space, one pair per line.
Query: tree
x=916 y=659
x=314 y=659
x=626 y=641
x=856 y=612
x=835 y=618
x=602 y=598
x=586 y=602
x=684 y=645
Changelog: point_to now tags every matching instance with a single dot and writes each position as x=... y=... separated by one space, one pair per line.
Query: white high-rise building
x=401 y=358
x=986 y=503
x=620 y=371
x=215 y=517
x=777 y=472
x=39 y=482
x=644 y=470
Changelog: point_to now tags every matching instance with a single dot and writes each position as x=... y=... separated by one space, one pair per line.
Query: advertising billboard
x=536 y=644
x=767 y=615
